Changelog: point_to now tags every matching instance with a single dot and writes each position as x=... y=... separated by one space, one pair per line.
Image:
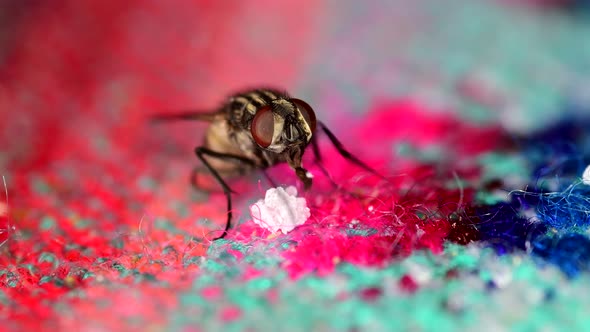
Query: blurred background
x=78 y=80
x=104 y=65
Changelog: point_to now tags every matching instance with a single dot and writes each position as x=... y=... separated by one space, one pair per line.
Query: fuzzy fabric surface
x=476 y=113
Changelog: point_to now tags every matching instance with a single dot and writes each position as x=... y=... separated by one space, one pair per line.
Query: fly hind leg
x=343 y=152
x=318 y=160
x=347 y=155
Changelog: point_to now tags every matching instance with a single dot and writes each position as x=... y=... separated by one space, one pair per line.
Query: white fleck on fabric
x=281 y=210
x=586 y=176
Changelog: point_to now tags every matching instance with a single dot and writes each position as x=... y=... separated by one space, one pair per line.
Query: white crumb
x=586 y=176
x=281 y=210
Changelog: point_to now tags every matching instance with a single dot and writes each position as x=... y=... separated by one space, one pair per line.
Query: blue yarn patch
x=550 y=218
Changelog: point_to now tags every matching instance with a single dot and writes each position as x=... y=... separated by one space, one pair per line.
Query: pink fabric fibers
x=369 y=221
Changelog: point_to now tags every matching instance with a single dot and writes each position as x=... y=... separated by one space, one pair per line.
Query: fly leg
x=318 y=160
x=269 y=179
x=201 y=152
x=347 y=155
x=196 y=170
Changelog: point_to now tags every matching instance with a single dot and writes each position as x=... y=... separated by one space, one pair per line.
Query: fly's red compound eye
x=307 y=112
x=263 y=126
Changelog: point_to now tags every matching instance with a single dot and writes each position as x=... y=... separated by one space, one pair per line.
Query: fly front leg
x=196 y=171
x=293 y=158
x=201 y=152
x=302 y=175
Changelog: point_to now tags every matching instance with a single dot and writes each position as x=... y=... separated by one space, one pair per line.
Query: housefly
x=257 y=129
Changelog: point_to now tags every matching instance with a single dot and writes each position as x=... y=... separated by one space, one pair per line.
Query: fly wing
x=187 y=116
